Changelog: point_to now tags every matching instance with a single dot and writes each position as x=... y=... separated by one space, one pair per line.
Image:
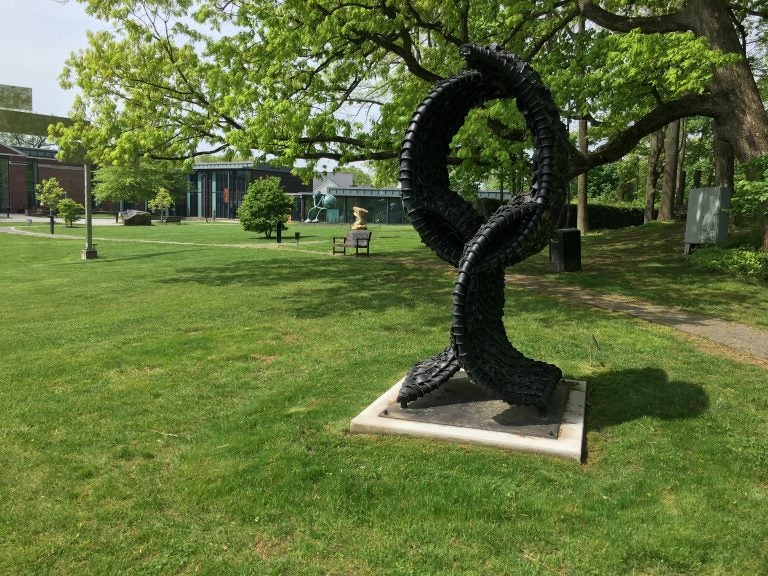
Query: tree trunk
x=653 y=175
x=751 y=173
x=764 y=247
x=681 y=176
x=733 y=99
x=697 y=178
x=670 y=170
x=724 y=159
x=742 y=118
x=582 y=216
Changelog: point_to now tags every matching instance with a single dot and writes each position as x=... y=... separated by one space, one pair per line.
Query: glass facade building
x=216 y=189
x=384 y=205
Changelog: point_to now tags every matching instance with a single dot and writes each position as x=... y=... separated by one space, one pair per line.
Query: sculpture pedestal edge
x=570 y=442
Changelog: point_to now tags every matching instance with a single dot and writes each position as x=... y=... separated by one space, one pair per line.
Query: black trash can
x=565 y=250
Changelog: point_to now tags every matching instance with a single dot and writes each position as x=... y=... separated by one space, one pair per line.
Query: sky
x=37 y=38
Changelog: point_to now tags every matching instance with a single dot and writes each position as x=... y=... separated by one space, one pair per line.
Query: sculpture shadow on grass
x=621 y=396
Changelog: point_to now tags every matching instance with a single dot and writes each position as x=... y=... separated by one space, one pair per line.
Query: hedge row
x=601 y=216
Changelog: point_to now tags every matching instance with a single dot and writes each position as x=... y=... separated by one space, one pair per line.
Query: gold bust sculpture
x=361 y=218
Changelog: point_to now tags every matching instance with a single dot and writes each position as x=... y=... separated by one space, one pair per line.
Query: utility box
x=707 y=221
x=565 y=250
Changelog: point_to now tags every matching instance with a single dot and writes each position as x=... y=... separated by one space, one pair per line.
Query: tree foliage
x=161 y=202
x=138 y=180
x=264 y=205
x=49 y=193
x=751 y=194
x=331 y=79
x=24 y=140
x=70 y=210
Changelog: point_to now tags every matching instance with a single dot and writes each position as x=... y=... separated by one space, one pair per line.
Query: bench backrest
x=358 y=238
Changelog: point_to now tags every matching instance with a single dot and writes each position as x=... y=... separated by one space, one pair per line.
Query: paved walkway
x=736 y=341
x=22 y=219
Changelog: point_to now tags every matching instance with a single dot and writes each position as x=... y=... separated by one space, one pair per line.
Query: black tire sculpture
x=451 y=227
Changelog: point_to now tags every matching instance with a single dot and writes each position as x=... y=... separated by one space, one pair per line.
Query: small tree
x=751 y=198
x=49 y=193
x=162 y=201
x=264 y=205
x=139 y=180
x=70 y=210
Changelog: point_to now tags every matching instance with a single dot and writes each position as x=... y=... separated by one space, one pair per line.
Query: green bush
x=607 y=217
x=70 y=210
x=741 y=262
x=264 y=205
x=601 y=216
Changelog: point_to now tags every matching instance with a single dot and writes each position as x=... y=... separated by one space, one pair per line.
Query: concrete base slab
x=460 y=412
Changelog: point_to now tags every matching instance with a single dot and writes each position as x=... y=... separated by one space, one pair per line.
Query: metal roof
x=367 y=192
x=237 y=166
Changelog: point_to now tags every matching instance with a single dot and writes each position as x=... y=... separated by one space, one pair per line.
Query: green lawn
x=182 y=408
x=647 y=262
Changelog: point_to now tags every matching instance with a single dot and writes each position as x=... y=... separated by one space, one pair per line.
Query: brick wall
x=69 y=176
x=17 y=183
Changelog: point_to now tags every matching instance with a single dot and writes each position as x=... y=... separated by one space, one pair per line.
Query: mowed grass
x=184 y=408
x=647 y=262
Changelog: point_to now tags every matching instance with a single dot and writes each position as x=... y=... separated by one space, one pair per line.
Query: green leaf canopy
x=330 y=79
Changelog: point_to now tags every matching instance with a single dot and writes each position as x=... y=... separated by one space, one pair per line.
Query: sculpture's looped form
x=481 y=250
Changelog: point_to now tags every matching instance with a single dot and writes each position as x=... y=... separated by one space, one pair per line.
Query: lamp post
x=89 y=252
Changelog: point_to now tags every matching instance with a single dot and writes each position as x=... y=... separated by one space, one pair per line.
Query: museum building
x=21 y=169
x=216 y=189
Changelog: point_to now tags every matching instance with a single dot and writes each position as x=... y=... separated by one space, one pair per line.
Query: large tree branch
x=192 y=155
x=541 y=42
x=333 y=139
x=347 y=158
x=388 y=43
x=625 y=141
x=679 y=21
x=438 y=26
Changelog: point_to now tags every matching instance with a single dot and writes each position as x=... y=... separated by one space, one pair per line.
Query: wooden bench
x=357 y=239
x=166 y=219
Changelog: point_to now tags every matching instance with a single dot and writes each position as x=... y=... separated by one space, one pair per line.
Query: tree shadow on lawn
x=621 y=396
x=324 y=287
x=145 y=255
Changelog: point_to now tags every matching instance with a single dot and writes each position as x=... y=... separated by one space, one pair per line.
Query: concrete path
x=736 y=341
x=22 y=219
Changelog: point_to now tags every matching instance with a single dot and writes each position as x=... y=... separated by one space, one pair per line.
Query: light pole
x=89 y=252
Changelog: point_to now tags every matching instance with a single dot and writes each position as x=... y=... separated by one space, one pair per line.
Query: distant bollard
x=297 y=235
x=280 y=227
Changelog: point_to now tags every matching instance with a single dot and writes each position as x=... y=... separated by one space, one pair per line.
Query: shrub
x=740 y=262
x=264 y=205
x=70 y=210
x=49 y=193
x=606 y=217
x=161 y=202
